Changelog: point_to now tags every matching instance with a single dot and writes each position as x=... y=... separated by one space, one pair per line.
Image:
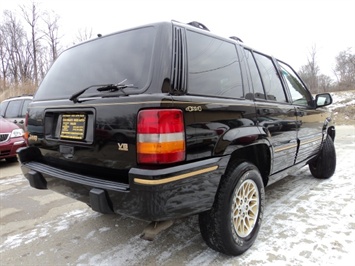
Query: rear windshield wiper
x=102 y=87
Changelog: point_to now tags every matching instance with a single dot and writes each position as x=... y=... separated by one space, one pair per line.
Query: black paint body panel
x=99 y=165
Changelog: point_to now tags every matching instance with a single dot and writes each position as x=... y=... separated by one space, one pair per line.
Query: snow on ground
x=343 y=107
x=306 y=222
x=342 y=99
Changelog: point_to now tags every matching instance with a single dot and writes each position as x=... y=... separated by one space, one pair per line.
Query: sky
x=286 y=29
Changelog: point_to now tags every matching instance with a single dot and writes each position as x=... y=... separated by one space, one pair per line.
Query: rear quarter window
x=213 y=67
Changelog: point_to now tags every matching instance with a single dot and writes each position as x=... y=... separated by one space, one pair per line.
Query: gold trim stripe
x=311 y=140
x=174 y=178
x=295 y=145
x=286 y=148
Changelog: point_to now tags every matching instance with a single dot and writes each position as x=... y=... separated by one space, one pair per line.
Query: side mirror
x=323 y=99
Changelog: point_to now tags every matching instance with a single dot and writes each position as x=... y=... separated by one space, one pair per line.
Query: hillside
x=343 y=107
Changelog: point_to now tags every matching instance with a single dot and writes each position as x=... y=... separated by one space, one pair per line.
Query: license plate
x=73 y=126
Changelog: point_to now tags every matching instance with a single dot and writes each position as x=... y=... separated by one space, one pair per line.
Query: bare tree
x=325 y=83
x=25 y=56
x=15 y=44
x=345 y=69
x=310 y=72
x=4 y=58
x=83 y=35
x=51 y=33
x=31 y=16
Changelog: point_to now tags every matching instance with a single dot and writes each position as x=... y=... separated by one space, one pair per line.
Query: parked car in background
x=14 y=109
x=11 y=138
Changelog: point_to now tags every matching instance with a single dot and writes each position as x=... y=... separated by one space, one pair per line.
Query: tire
x=240 y=198
x=323 y=166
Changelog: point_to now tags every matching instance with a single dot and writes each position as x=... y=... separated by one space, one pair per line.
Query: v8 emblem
x=122 y=146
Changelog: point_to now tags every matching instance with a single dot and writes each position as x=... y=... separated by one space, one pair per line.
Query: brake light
x=26 y=135
x=160 y=136
x=26 y=120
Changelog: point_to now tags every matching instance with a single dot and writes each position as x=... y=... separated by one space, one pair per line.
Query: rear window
x=125 y=56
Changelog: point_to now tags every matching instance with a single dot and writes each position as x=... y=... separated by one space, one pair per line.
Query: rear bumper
x=152 y=195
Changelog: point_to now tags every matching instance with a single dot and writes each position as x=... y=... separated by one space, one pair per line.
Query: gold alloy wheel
x=245 y=208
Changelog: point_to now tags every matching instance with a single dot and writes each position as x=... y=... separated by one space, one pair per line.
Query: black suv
x=168 y=120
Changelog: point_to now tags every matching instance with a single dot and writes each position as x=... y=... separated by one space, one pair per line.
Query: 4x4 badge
x=193 y=108
x=122 y=146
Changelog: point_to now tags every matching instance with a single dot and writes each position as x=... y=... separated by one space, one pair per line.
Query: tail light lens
x=25 y=128
x=160 y=136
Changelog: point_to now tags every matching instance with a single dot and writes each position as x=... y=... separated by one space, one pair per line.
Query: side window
x=13 y=109
x=24 y=108
x=3 y=106
x=299 y=93
x=272 y=84
x=255 y=76
x=213 y=67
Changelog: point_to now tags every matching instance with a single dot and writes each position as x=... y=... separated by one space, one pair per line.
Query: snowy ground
x=343 y=107
x=306 y=222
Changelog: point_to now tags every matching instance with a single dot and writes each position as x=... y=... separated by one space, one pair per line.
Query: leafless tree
x=310 y=72
x=15 y=48
x=4 y=58
x=31 y=16
x=325 y=83
x=345 y=69
x=27 y=52
x=83 y=35
x=51 y=32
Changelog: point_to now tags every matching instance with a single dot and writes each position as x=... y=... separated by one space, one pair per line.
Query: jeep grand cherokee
x=168 y=120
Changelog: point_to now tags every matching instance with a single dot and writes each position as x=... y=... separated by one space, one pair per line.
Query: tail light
x=26 y=135
x=160 y=136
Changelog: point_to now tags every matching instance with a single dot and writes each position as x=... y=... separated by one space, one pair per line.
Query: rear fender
x=238 y=137
x=258 y=153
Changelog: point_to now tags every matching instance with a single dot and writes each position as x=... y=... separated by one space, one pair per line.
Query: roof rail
x=236 y=38
x=198 y=25
x=18 y=96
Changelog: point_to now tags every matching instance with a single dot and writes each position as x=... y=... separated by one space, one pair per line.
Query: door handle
x=299 y=112
x=266 y=111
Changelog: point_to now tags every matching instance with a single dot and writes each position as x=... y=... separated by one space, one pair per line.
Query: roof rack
x=198 y=25
x=18 y=96
x=236 y=38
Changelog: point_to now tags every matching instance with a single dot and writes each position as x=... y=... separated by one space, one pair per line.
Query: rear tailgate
x=96 y=139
